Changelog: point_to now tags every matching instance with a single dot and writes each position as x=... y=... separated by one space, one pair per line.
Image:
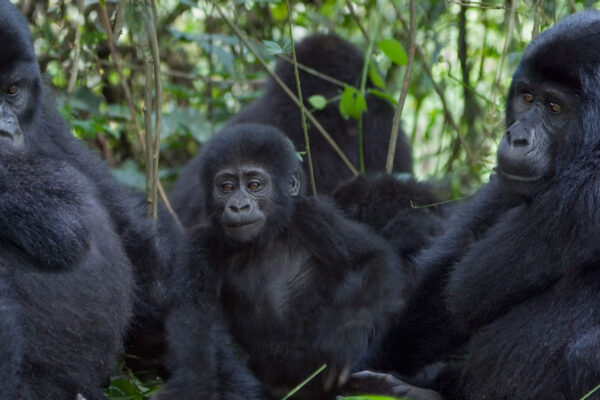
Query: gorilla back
x=66 y=283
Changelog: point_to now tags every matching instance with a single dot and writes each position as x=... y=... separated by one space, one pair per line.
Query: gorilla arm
x=527 y=246
x=371 y=288
x=44 y=211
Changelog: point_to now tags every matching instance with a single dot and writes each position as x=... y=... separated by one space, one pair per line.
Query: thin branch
x=313 y=71
x=402 y=99
x=77 y=47
x=117 y=62
x=287 y=91
x=447 y=115
x=357 y=20
x=363 y=85
x=150 y=183
x=302 y=110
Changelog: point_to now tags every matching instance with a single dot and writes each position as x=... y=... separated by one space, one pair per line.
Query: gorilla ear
x=294 y=184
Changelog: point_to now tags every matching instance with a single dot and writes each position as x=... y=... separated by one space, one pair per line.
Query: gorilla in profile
x=293 y=282
x=339 y=59
x=519 y=264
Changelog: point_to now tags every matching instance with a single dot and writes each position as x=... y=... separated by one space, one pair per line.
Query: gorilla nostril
x=520 y=142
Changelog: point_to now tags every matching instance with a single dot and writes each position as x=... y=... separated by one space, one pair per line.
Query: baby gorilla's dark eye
x=555 y=107
x=254 y=185
x=528 y=97
x=227 y=187
x=13 y=90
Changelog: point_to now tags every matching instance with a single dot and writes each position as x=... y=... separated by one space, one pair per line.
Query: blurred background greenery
x=466 y=52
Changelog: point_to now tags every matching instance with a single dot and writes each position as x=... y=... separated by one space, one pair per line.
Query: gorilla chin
x=244 y=231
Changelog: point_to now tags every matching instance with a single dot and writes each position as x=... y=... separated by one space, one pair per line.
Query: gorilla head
x=251 y=175
x=20 y=82
x=552 y=105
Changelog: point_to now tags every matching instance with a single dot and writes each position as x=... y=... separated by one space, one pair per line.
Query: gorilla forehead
x=14 y=36
x=249 y=144
x=564 y=52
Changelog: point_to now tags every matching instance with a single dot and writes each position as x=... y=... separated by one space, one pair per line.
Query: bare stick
x=302 y=110
x=389 y=165
x=117 y=62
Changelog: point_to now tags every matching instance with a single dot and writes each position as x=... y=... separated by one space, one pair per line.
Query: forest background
x=135 y=78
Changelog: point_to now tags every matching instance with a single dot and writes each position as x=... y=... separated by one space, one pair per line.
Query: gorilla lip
x=518 y=178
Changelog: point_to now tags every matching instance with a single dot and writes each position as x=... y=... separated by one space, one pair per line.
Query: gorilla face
x=244 y=195
x=543 y=114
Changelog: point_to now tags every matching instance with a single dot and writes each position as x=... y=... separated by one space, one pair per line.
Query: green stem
x=304 y=382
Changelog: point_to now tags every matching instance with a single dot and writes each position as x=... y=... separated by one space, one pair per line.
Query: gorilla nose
x=518 y=139
x=6 y=134
x=240 y=207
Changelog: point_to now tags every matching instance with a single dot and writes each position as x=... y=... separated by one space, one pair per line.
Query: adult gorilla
x=523 y=257
x=26 y=114
x=335 y=57
x=66 y=284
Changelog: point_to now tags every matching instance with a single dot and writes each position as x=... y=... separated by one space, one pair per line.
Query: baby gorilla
x=65 y=282
x=295 y=283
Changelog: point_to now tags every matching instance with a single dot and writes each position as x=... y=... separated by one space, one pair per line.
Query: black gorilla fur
x=34 y=119
x=66 y=284
x=518 y=263
x=403 y=210
x=341 y=60
x=406 y=213
x=310 y=288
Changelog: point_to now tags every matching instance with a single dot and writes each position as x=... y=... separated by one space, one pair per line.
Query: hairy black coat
x=314 y=288
x=149 y=248
x=520 y=272
x=338 y=59
x=66 y=288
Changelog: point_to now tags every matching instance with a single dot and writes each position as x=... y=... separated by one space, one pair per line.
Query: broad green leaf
x=394 y=50
x=317 y=101
x=375 y=77
x=352 y=104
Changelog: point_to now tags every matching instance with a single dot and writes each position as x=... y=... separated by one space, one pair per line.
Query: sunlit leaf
x=317 y=101
x=375 y=77
x=352 y=104
x=393 y=50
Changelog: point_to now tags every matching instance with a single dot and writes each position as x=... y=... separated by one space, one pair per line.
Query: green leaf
x=272 y=47
x=383 y=95
x=317 y=101
x=352 y=104
x=394 y=50
x=375 y=77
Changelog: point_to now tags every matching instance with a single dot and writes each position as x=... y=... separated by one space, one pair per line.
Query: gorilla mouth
x=517 y=177
x=241 y=224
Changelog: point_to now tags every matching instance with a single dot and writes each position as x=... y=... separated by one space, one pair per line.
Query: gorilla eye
x=528 y=97
x=254 y=185
x=13 y=90
x=227 y=187
x=555 y=107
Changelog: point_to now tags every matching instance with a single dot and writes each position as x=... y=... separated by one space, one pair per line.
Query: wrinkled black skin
x=45 y=133
x=66 y=290
x=311 y=287
x=518 y=264
x=339 y=59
